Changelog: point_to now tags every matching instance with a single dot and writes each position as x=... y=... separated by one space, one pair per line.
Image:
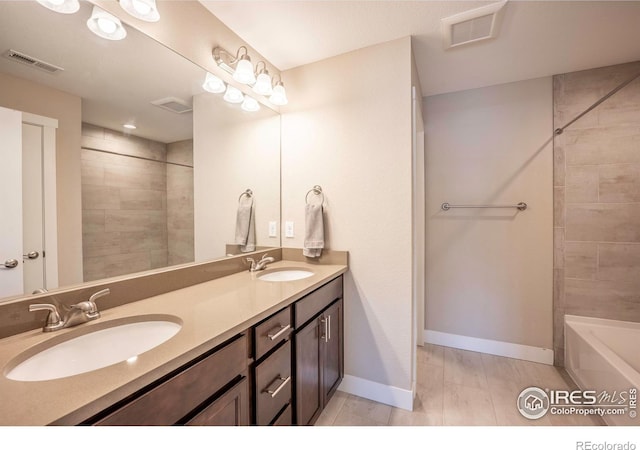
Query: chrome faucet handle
x=89 y=307
x=252 y=262
x=265 y=256
x=53 y=321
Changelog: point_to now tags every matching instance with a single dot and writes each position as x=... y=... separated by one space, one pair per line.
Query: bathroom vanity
x=249 y=351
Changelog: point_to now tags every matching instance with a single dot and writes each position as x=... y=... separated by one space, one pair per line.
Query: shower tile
x=141 y=199
x=619 y=183
x=616 y=144
x=100 y=197
x=558 y=248
x=558 y=288
x=603 y=222
x=581 y=184
x=607 y=299
x=619 y=262
x=558 y=164
x=558 y=207
x=581 y=260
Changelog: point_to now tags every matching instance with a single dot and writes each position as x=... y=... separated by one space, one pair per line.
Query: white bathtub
x=603 y=355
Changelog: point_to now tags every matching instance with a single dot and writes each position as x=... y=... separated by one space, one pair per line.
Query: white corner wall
x=490 y=272
x=348 y=128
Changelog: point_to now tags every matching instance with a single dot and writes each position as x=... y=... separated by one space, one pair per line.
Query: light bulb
x=263 y=84
x=105 y=25
x=213 y=84
x=61 y=6
x=244 y=71
x=141 y=9
x=233 y=95
x=250 y=104
x=279 y=96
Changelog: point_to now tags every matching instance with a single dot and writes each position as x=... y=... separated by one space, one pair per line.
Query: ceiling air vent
x=31 y=61
x=472 y=26
x=173 y=104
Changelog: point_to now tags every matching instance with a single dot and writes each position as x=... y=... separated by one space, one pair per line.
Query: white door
x=11 y=268
x=32 y=208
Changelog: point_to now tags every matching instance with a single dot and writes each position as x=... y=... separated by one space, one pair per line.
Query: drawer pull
x=275 y=391
x=325 y=335
x=279 y=332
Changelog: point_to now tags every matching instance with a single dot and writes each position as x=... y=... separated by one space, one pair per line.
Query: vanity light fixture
x=129 y=126
x=105 y=25
x=61 y=6
x=233 y=95
x=213 y=84
x=141 y=9
x=250 y=104
x=263 y=81
x=243 y=72
x=279 y=96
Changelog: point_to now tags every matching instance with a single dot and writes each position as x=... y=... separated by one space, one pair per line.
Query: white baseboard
x=378 y=392
x=499 y=348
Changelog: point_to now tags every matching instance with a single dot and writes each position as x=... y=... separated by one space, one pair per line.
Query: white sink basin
x=94 y=350
x=285 y=275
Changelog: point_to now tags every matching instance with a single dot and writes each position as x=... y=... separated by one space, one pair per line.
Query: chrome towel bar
x=520 y=206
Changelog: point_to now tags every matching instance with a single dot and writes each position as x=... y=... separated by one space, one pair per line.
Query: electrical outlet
x=288 y=229
x=273 y=228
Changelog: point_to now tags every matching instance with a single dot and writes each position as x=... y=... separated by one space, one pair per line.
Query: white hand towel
x=313 y=231
x=245 y=226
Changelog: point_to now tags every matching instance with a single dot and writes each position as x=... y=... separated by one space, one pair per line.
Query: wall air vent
x=472 y=26
x=23 y=58
x=173 y=104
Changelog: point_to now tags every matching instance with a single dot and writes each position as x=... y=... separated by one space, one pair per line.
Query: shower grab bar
x=520 y=206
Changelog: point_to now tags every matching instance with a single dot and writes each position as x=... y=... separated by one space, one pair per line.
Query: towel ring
x=317 y=190
x=248 y=193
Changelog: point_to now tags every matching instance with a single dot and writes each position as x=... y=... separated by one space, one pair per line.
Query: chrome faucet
x=260 y=265
x=74 y=315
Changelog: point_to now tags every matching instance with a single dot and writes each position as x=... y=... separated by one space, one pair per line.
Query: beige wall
x=348 y=128
x=597 y=185
x=489 y=272
x=233 y=151
x=23 y=95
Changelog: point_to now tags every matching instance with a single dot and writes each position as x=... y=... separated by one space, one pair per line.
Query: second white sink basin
x=94 y=350
x=285 y=275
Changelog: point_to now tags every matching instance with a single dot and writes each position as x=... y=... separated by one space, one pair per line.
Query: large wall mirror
x=167 y=192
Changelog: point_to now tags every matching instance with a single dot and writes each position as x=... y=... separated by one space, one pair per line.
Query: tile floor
x=459 y=387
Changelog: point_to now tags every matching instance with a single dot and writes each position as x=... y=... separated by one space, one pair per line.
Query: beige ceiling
x=537 y=38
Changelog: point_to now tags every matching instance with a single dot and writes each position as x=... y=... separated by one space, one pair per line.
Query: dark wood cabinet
x=232 y=409
x=319 y=354
x=281 y=371
x=331 y=356
x=185 y=392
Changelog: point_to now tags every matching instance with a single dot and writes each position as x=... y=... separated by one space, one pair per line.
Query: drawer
x=285 y=418
x=315 y=302
x=272 y=331
x=231 y=409
x=273 y=384
x=169 y=402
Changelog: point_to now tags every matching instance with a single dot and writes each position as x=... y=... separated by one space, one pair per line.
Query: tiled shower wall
x=180 y=203
x=596 y=198
x=125 y=213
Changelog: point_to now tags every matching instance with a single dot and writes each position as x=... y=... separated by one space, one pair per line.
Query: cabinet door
x=308 y=389
x=332 y=350
x=232 y=409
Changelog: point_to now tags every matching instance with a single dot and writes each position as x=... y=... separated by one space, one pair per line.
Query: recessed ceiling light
x=129 y=126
